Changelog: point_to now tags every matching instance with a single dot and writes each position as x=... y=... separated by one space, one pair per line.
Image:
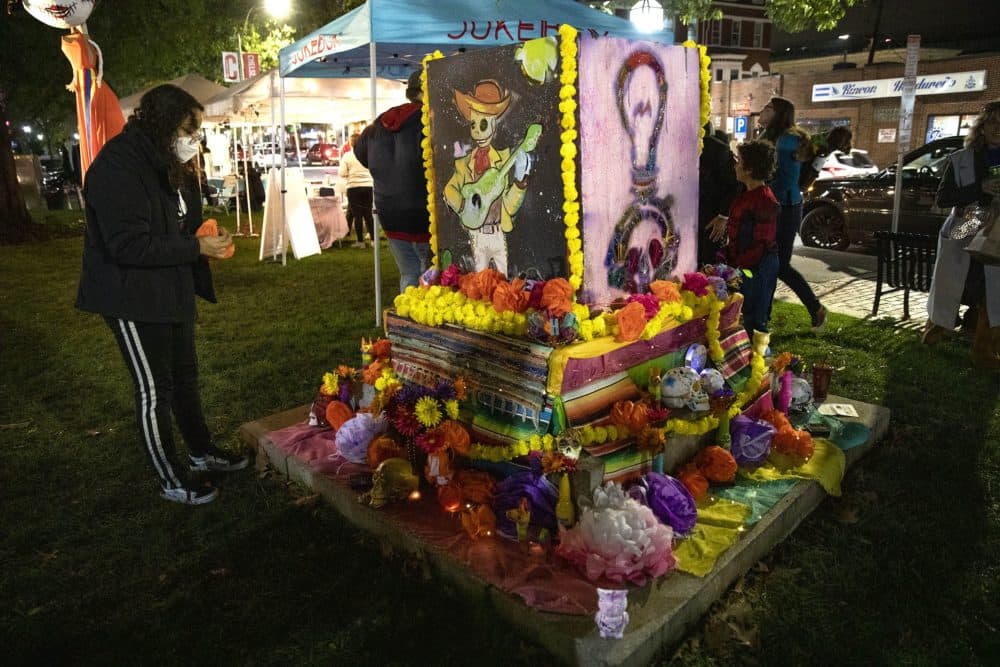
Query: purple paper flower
x=671 y=502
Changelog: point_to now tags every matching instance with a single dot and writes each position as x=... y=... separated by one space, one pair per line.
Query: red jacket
x=752 y=229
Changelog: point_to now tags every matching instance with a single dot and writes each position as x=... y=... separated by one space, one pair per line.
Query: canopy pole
x=375 y=225
x=246 y=179
x=275 y=238
x=284 y=168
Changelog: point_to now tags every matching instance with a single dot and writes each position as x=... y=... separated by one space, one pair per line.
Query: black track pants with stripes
x=164 y=367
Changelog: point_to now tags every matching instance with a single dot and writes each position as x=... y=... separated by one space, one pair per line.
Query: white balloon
x=63 y=14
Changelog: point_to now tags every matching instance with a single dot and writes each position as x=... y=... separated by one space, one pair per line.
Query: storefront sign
x=926 y=84
x=886 y=135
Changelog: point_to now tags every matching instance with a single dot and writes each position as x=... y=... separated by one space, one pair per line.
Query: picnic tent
x=389 y=38
x=198 y=86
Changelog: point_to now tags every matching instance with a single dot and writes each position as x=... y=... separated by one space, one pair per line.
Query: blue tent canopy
x=403 y=31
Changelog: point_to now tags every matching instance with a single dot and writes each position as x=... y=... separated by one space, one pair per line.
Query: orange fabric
x=211 y=228
x=716 y=464
x=631 y=321
x=557 y=297
x=665 y=290
x=100 y=119
x=511 y=297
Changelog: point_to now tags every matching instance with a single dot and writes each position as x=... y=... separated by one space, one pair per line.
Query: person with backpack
x=794 y=147
x=824 y=145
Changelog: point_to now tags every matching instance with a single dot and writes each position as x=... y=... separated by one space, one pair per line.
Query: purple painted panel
x=639 y=112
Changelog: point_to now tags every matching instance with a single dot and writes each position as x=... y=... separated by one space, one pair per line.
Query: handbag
x=985 y=245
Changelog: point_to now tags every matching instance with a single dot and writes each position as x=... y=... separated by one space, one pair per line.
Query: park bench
x=905 y=262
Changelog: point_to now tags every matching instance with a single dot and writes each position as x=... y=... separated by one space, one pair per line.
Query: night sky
x=965 y=24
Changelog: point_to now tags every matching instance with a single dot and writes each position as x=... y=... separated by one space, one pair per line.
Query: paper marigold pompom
x=211 y=228
x=455 y=436
x=716 y=464
x=557 y=296
x=382 y=448
x=631 y=321
x=694 y=482
x=511 y=297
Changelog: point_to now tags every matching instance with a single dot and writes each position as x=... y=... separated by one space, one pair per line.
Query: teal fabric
x=760 y=497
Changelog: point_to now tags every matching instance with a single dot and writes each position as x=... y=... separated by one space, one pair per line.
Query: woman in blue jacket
x=794 y=147
x=143 y=266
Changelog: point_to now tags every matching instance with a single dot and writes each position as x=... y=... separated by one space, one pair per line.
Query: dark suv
x=842 y=211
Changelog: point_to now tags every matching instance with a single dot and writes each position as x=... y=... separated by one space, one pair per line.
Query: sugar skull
x=697 y=401
x=711 y=381
x=62 y=14
x=677 y=385
x=802 y=394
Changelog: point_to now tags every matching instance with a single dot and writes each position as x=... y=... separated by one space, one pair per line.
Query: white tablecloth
x=328 y=216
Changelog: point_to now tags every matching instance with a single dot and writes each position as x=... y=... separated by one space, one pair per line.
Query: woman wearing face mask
x=794 y=146
x=143 y=266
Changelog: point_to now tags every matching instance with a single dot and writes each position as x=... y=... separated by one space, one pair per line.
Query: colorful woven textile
x=736 y=347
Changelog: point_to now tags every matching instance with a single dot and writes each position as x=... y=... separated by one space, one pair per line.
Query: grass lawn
x=903 y=569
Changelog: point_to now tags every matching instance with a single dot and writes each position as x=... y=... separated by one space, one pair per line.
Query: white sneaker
x=186 y=495
x=218 y=460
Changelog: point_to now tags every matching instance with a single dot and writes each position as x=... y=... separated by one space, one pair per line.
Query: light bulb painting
x=638 y=123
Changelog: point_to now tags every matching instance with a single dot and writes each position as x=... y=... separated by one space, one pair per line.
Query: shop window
x=939 y=127
x=821 y=125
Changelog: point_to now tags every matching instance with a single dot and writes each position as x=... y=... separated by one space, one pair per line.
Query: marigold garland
x=706 y=97
x=568 y=151
x=428 y=148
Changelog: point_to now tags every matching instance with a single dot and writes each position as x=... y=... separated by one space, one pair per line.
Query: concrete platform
x=661 y=613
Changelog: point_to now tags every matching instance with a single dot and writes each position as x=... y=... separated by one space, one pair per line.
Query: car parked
x=840 y=211
x=324 y=154
x=851 y=164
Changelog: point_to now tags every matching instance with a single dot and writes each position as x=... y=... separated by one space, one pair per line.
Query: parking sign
x=740 y=128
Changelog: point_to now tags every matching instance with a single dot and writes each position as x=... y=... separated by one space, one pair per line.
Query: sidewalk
x=855 y=295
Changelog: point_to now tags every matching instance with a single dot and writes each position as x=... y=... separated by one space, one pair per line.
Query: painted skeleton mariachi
x=480 y=192
x=632 y=266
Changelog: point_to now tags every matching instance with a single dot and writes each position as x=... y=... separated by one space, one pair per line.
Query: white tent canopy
x=331 y=101
x=198 y=86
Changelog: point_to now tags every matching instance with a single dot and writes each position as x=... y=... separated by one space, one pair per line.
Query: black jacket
x=140 y=259
x=390 y=149
x=717 y=188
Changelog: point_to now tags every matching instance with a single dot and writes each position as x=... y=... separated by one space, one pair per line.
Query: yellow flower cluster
x=571 y=197
x=435 y=306
x=536 y=443
x=715 y=351
x=691 y=426
x=387 y=380
x=706 y=97
x=428 y=149
x=589 y=328
x=596 y=435
x=675 y=311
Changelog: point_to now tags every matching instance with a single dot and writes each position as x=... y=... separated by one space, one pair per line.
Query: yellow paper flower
x=429 y=159
x=427 y=411
x=705 y=108
x=568 y=151
x=451 y=408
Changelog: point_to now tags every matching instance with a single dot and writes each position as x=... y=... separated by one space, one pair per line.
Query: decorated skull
x=569 y=443
x=393 y=480
x=678 y=383
x=61 y=14
x=711 y=381
x=697 y=401
x=802 y=394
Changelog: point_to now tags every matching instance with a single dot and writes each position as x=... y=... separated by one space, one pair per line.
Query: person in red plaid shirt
x=751 y=233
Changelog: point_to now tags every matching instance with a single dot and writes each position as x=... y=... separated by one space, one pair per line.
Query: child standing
x=751 y=232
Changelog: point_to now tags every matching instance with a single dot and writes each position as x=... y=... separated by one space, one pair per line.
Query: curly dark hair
x=162 y=112
x=758 y=158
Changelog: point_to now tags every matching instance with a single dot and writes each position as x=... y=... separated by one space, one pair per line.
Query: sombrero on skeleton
x=486 y=98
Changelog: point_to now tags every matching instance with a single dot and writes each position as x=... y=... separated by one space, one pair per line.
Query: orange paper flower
x=211 y=228
x=693 y=481
x=481 y=284
x=382 y=448
x=633 y=416
x=477 y=486
x=665 y=290
x=450 y=497
x=716 y=464
x=511 y=297
x=650 y=440
x=557 y=297
x=631 y=321
x=455 y=436
x=479 y=521
x=372 y=372
x=795 y=443
x=381 y=348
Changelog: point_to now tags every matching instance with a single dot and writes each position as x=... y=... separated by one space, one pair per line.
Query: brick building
x=867 y=103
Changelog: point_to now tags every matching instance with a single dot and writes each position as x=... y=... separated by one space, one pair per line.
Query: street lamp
x=26 y=129
x=647 y=16
x=277 y=9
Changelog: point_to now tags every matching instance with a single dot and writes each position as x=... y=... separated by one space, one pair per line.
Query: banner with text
x=927 y=84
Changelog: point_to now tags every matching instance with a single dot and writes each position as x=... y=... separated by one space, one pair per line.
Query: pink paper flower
x=696 y=283
x=649 y=302
x=450 y=276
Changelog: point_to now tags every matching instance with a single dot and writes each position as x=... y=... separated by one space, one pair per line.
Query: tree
x=787 y=15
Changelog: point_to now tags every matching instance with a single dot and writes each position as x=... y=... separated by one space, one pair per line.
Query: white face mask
x=185 y=148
